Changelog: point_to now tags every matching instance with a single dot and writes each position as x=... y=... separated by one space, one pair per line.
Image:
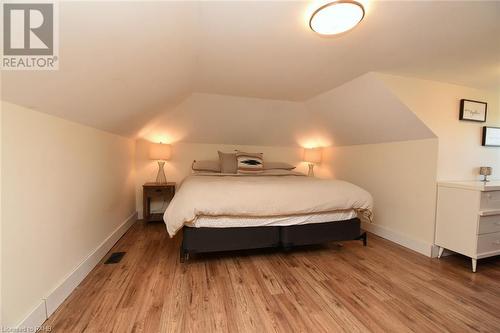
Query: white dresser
x=468 y=219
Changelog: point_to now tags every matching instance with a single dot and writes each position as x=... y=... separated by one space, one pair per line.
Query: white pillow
x=206 y=166
x=278 y=166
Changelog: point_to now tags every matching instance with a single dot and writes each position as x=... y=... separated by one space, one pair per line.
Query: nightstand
x=155 y=191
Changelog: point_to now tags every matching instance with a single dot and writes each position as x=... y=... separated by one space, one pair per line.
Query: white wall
x=401 y=178
x=437 y=105
x=183 y=154
x=66 y=188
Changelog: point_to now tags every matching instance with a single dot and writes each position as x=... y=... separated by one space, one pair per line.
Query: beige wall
x=401 y=178
x=437 y=105
x=183 y=155
x=66 y=187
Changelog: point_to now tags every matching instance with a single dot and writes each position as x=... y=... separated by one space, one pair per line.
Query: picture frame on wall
x=491 y=136
x=473 y=110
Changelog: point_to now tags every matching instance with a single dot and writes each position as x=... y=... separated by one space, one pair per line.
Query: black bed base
x=202 y=240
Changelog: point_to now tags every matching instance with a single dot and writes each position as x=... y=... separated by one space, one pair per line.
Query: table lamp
x=485 y=171
x=312 y=156
x=161 y=153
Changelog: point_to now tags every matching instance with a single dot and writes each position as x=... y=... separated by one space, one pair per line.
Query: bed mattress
x=291 y=198
x=275 y=221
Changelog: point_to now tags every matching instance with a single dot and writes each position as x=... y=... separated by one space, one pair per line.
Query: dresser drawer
x=489 y=224
x=488 y=243
x=160 y=192
x=490 y=200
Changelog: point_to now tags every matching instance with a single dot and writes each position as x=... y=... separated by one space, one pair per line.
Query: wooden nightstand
x=155 y=190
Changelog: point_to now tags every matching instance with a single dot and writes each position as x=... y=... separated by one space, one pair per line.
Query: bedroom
x=296 y=178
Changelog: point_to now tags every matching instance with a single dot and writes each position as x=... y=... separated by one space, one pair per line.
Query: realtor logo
x=29 y=36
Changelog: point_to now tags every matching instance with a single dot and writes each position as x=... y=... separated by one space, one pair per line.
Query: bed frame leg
x=364 y=238
x=183 y=255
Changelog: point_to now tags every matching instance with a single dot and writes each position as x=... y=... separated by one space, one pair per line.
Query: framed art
x=473 y=110
x=491 y=136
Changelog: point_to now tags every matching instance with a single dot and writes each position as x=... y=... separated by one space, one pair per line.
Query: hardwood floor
x=351 y=288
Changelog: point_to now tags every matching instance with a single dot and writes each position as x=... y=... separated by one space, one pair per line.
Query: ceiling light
x=336 y=17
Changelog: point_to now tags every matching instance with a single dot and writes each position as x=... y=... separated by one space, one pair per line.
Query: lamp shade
x=160 y=151
x=313 y=155
x=485 y=171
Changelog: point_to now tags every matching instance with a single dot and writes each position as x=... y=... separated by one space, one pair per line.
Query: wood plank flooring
x=349 y=288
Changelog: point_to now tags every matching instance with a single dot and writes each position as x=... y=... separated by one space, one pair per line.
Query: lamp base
x=485 y=179
x=311 y=170
x=160 y=177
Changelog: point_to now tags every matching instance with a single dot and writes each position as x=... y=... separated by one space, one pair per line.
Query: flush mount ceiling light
x=336 y=17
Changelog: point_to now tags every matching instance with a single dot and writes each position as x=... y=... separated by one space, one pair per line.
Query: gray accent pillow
x=209 y=166
x=228 y=162
x=278 y=166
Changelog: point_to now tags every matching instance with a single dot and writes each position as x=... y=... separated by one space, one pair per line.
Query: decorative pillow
x=228 y=162
x=278 y=166
x=207 y=166
x=249 y=162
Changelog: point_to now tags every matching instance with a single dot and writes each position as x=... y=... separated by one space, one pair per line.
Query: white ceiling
x=123 y=62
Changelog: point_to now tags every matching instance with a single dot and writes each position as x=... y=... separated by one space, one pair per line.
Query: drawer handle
x=497 y=242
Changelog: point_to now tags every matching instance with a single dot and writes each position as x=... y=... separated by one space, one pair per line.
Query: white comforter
x=261 y=196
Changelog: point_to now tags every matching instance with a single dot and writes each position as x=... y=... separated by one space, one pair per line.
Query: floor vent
x=115 y=258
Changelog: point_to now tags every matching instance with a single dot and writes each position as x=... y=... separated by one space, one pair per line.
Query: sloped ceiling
x=123 y=64
x=360 y=111
x=210 y=118
x=365 y=110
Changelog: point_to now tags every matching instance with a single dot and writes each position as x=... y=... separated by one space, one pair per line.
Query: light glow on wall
x=314 y=142
x=158 y=135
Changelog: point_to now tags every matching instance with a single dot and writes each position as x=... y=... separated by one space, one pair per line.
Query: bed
x=276 y=208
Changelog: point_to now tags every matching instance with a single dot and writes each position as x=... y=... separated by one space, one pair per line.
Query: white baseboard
x=35 y=319
x=60 y=293
x=427 y=249
x=435 y=251
x=55 y=298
